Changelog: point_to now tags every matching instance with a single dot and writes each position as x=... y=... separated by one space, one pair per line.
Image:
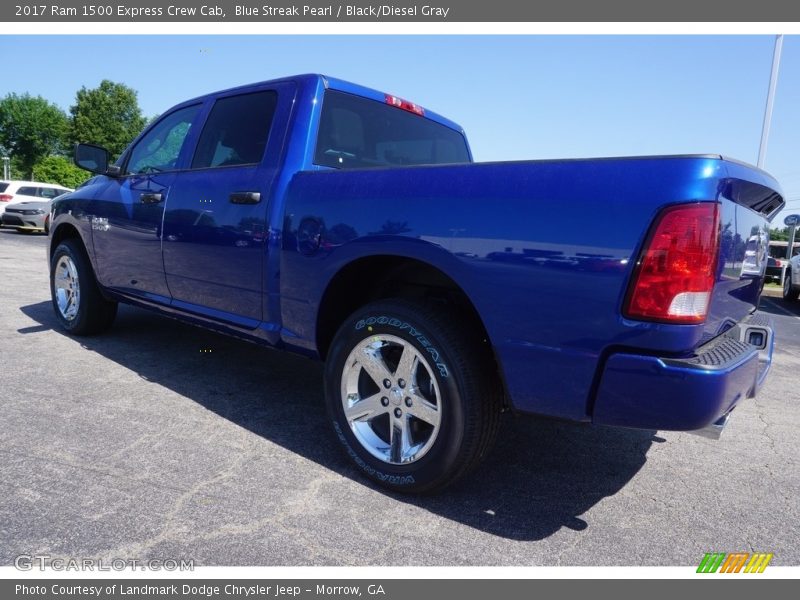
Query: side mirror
x=92 y=158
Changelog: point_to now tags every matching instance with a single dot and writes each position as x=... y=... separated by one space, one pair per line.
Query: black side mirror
x=92 y=158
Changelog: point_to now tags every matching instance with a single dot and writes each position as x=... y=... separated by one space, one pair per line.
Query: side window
x=158 y=150
x=27 y=191
x=236 y=131
x=49 y=192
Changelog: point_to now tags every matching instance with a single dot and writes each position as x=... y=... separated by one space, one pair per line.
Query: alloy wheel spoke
x=424 y=410
x=407 y=367
x=365 y=409
x=400 y=441
x=373 y=363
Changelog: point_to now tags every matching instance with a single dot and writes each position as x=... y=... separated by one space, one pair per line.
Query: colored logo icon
x=735 y=562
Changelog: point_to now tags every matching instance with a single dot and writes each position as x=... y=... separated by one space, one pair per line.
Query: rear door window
x=27 y=191
x=359 y=132
x=49 y=193
x=236 y=131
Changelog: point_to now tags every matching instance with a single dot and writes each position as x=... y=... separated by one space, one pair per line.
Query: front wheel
x=412 y=396
x=78 y=303
x=790 y=292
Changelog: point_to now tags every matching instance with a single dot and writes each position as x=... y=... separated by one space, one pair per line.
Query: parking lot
x=162 y=441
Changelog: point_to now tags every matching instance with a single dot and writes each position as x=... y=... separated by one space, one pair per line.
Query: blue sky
x=518 y=97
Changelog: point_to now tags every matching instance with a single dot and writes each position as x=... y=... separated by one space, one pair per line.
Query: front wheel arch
x=65 y=231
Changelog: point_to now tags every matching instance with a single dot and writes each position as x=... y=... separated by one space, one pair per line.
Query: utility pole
x=773 y=82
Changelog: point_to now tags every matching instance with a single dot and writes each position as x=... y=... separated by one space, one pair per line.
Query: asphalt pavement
x=158 y=440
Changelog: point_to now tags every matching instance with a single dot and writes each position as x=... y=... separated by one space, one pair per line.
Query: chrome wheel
x=391 y=399
x=67 y=287
x=787 y=284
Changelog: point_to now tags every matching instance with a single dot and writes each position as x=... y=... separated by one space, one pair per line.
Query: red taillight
x=405 y=105
x=675 y=274
x=778 y=263
x=6 y=197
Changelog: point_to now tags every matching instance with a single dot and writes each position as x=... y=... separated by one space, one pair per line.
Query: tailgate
x=750 y=199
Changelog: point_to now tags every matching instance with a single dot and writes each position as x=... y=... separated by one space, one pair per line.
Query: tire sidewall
x=790 y=292
x=397 y=320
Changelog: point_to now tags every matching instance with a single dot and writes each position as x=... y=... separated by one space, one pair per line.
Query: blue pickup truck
x=349 y=225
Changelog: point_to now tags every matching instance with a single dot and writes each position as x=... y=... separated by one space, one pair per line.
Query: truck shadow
x=775 y=305
x=541 y=476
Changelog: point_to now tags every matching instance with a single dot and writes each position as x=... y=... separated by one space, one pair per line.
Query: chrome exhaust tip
x=713 y=431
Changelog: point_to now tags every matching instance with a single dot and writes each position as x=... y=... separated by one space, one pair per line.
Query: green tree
x=779 y=234
x=108 y=115
x=30 y=129
x=59 y=169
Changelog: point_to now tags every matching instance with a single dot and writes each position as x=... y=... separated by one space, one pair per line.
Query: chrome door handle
x=150 y=198
x=245 y=197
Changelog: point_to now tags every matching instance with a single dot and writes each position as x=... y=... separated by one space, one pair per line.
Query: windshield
x=358 y=132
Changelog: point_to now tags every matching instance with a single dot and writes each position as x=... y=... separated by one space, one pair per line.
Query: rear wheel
x=411 y=396
x=790 y=292
x=78 y=303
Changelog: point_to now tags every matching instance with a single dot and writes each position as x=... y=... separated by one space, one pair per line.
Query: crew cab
x=317 y=216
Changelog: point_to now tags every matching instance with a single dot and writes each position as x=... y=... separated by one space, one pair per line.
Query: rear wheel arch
x=371 y=278
x=384 y=277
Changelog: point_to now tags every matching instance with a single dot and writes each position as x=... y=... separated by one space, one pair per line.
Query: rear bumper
x=685 y=394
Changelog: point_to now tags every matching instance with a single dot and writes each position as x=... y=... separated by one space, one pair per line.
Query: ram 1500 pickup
x=325 y=218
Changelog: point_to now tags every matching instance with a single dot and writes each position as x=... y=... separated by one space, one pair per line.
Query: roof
x=329 y=83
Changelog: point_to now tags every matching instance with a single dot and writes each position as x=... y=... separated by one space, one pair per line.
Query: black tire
x=457 y=369
x=89 y=312
x=790 y=292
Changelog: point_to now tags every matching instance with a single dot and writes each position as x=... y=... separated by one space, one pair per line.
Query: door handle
x=245 y=197
x=150 y=198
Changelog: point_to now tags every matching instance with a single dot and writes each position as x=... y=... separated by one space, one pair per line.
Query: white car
x=28 y=216
x=28 y=191
x=791 y=282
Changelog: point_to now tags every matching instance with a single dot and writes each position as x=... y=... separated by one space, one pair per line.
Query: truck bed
x=544 y=249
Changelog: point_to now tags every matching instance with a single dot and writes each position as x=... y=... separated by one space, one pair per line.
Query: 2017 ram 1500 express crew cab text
x=321 y=217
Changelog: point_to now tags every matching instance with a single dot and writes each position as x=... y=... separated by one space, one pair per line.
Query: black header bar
x=399 y=11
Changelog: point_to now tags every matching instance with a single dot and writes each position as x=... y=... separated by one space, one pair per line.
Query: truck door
x=127 y=213
x=215 y=225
